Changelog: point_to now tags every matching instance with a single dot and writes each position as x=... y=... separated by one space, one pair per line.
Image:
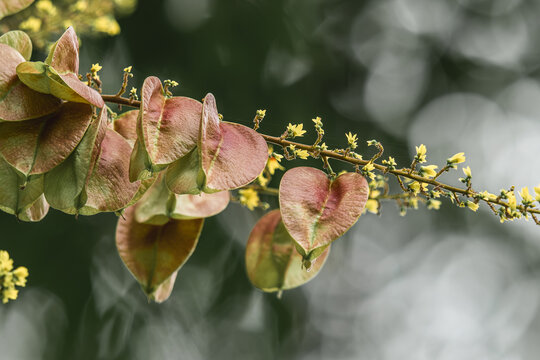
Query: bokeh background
x=456 y=75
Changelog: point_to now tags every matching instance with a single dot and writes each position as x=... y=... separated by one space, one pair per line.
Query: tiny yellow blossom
x=413 y=201
x=391 y=162
x=46 y=7
x=428 y=171
x=317 y=121
x=6 y=264
x=526 y=198
x=21 y=273
x=471 y=205
x=511 y=200
x=434 y=204
x=421 y=153
x=373 y=194
x=351 y=139
x=263 y=181
x=537 y=193
x=467 y=171
x=107 y=25
x=80 y=5
x=9 y=294
x=128 y=69
x=261 y=113
x=369 y=167
x=416 y=187
x=372 y=206
x=95 y=68
x=436 y=194
x=9 y=279
x=31 y=24
x=487 y=196
x=302 y=154
x=296 y=130
x=249 y=198
x=456 y=159
x=273 y=164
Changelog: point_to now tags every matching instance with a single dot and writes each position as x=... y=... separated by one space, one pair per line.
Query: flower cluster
x=10 y=278
x=45 y=18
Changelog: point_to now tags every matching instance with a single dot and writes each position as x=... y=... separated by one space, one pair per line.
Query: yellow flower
x=21 y=273
x=434 y=204
x=369 y=167
x=351 y=139
x=436 y=194
x=428 y=171
x=374 y=194
x=46 y=7
x=31 y=24
x=263 y=181
x=537 y=193
x=511 y=200
x=8 y=280
x=456 y=159
x=413 y=202
x=372 y=206
x=471 y=205
x=296 y=130
x=80 y=5
x=526 y=198
x=317 y=121
x=273 y=164
x=416 y=187
x=421 y=153
x=128 y=69
x=95 y=68
x=467 y=171
x=302 y=154
x=6 y=264
x=9 y=294
x=107 y=25
x=260 y=114
x=487 y=196
x=249 y=198
x=391 y=162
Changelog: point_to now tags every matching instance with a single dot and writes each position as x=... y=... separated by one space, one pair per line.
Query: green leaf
x=18 y=101
x=64 y=185
x=126 y=125
x=58 y=75
x=18 y=40
x=228 y=156
x=185 y=175
x=159 y=205
x=231 y=155
x=272 y=262
x=317 y=210
x=25 y=202
x=45 y=79
x=164 y=290
x=167 y=128
x=37 y=146
x=64 y=54
x=8 y=7
x=153 y=253
x=108 y=187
